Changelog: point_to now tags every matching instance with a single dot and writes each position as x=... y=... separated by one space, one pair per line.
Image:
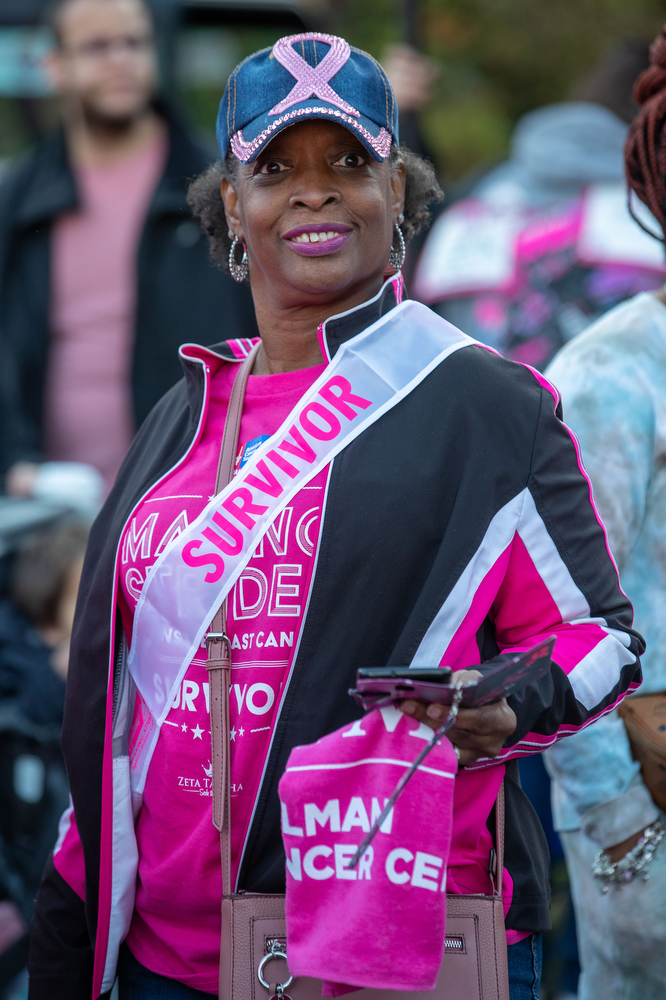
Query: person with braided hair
x=645 y=151
x=613 y=382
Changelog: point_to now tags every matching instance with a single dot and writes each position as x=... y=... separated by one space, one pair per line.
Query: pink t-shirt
x=176 y=926
x=88 y=405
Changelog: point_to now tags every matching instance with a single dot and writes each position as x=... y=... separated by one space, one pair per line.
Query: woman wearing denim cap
x=402 y=495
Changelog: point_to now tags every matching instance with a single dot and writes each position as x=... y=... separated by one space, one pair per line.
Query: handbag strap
x=218 y=663
x=497 y=876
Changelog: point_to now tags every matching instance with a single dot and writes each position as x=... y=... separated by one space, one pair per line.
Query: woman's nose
x=313 y=196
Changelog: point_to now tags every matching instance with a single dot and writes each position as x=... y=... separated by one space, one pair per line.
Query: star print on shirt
x=196 y=732
x=233 y=734
x=241 y=731
x=184 y=727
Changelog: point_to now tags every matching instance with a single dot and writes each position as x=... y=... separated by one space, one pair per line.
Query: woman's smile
x=317 y=238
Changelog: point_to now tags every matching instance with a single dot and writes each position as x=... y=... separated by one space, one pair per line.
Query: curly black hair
x=421 y=190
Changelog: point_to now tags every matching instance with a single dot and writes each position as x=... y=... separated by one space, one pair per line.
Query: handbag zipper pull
x=279 y=993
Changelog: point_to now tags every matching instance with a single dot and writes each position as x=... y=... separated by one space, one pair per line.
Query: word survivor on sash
x=369 y=375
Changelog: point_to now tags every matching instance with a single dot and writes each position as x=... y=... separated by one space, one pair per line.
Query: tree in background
x=499 y=59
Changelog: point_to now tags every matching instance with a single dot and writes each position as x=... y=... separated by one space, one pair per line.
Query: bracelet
x=634 y=863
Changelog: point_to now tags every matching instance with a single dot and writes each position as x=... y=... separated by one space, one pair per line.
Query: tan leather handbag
x=254 y=950
x=644 y=718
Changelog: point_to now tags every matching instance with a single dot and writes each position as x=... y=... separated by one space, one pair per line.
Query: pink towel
x=382 y=924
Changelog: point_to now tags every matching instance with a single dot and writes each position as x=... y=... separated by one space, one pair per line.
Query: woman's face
x=316 y=213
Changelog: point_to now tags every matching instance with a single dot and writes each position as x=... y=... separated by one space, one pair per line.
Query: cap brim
x=247 y=143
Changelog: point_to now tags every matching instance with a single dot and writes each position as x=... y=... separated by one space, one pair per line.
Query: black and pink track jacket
x=462 y=515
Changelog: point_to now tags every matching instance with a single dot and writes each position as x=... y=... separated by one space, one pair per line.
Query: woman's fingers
x=478 y=732
x=433 y=714
x=483 y=731
x=417 y=710
x=465 y=676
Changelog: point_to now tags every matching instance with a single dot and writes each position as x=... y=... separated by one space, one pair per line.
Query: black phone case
x=434 y=675
x=509 y=676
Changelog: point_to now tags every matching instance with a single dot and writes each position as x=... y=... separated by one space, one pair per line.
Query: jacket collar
x=51 y=190
x=185 y=160
x=337 y=329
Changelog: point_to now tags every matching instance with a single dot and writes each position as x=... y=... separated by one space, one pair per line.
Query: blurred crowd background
x=494 y=59
x=523 y=107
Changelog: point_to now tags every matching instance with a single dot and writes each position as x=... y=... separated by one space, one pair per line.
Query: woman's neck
x=289 y=338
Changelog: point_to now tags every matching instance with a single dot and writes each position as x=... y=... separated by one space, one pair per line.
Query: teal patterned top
x=613 y=384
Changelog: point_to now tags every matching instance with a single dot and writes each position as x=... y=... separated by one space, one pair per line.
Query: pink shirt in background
x=176 y=926
x=88 y=403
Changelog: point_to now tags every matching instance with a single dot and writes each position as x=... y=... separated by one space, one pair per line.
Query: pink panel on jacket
x=68 y=854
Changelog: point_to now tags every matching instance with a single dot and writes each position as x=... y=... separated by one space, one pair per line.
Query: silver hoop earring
x=397 y=254
x=239 y=270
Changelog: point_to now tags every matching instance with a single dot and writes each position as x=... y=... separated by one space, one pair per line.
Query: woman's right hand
x=478 y=732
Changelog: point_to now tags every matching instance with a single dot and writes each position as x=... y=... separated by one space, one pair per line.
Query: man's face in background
x=105 y=67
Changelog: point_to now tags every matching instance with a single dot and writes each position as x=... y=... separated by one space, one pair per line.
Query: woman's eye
x=272 y=167
x=350 y=160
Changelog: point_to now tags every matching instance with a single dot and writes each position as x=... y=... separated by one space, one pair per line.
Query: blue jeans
x=525 y=968
x=135 y=982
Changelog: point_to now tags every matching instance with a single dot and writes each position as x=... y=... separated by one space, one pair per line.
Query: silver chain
x=634 y=863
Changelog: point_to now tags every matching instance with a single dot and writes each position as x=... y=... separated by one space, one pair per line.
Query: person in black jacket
x=103 y=272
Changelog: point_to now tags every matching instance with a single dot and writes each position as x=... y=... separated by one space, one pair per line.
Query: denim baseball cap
x=304 y=76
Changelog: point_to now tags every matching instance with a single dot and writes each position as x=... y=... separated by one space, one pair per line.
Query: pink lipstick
x=318 y=238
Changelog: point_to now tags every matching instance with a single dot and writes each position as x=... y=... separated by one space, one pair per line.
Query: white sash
x=367 y=377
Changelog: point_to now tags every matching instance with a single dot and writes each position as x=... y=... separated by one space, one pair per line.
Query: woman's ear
x=230 y=200
x=398 y=182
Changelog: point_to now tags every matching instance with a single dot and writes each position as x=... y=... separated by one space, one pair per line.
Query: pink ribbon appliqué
x=312 y=81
